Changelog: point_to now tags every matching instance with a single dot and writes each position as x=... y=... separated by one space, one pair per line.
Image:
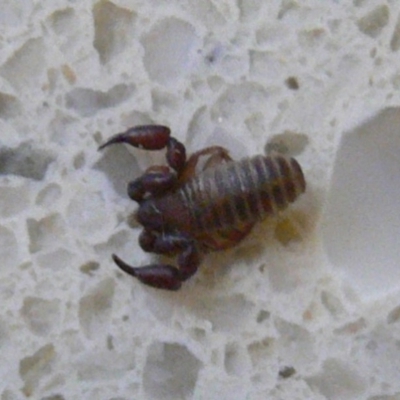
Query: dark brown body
x=208 y=202
x=227 y=199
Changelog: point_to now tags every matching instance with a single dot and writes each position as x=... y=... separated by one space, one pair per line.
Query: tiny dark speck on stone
x=214 y=55
x=90 y=267
x=54 y=397
x=287 y=372
x=292 y=83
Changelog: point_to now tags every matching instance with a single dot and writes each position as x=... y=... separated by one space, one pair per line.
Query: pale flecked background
x=308 y=307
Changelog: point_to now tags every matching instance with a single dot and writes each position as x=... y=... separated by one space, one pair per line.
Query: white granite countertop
x=307 y=306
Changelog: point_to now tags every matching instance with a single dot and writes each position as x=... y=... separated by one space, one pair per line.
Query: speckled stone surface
x=307 y=307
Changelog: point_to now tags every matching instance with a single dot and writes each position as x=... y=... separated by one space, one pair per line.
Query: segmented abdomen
x=242 y=191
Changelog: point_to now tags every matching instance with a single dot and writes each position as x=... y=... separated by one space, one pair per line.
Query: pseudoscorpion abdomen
x=242 y=191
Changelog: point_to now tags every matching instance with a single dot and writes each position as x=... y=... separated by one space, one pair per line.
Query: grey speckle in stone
x=26 y=160
x=171 y=371
x=87 y=102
